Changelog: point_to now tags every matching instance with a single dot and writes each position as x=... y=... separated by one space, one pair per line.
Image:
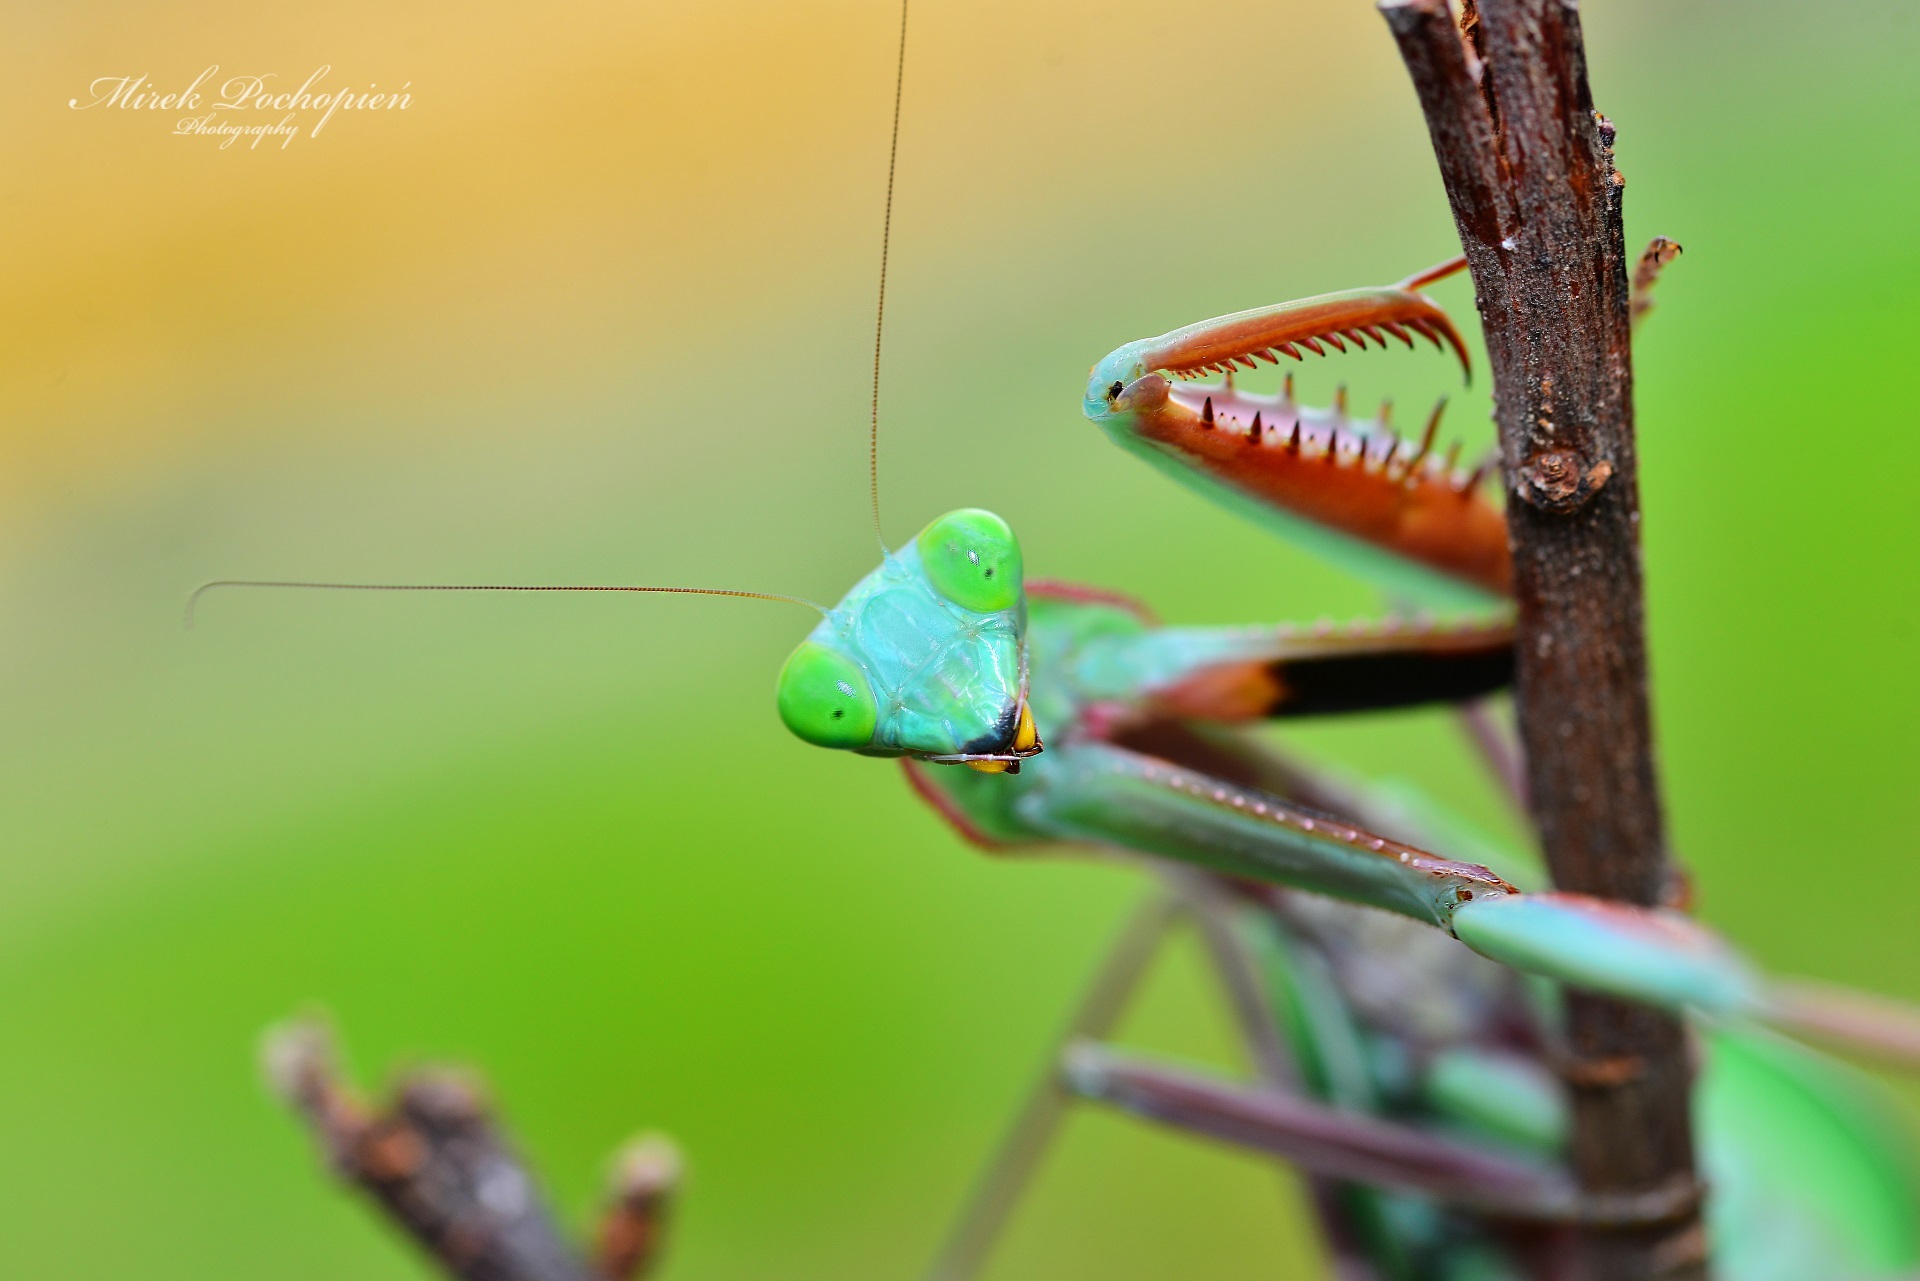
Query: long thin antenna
x=880 y=310
x=193 y=600
x=873 y=439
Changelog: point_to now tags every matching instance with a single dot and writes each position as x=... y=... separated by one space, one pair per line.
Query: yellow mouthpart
x=1025 y=736
x=1026 y=741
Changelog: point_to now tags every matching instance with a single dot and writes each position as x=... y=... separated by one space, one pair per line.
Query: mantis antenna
x=880 y=308
x=873 y=444
x=193 y=600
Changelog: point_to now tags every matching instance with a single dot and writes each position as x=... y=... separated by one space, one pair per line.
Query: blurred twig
x=436 y=1162
x=639 y=1195
x=1646 y=274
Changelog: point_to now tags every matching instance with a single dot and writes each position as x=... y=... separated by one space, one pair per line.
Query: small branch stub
x=640 y=1190
x=1555 y=481
x=1646 y=274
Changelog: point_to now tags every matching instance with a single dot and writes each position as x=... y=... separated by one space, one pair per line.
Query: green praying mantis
x=1394 y=973
x=1420 y=1091
x=1421 y=1094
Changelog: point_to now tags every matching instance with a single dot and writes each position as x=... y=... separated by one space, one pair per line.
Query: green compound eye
x=824 y=698
x=973 y=559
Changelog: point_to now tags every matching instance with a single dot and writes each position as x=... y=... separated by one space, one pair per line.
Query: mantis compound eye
x=972 y=559
x=824 y=698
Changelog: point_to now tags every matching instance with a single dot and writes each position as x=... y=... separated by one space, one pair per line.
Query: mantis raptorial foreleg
x=1393 y=508
x=1112 y=796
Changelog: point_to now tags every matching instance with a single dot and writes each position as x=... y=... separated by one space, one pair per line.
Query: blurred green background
x=596 y=308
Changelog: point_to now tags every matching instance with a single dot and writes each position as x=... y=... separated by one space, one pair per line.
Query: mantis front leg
x=1106 y=794
x=1392 y=508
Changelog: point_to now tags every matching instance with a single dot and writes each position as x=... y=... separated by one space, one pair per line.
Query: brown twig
x=1528 y=168
x=1646 y=274
x=436 y=1163
x=633 y=1226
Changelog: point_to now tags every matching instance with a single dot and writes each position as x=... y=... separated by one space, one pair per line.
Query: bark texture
x=1528 y=168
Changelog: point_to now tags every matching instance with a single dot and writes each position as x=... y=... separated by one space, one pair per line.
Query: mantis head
x=926 y=656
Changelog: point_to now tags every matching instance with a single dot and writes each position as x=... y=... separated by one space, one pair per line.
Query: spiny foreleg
x=1356 y=487
x=1098 y=792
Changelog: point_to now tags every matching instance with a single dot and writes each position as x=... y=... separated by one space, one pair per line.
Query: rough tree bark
x=1528 y=168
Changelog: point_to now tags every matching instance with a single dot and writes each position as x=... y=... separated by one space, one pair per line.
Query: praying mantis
x=1380 y=956
x=1386 y=1033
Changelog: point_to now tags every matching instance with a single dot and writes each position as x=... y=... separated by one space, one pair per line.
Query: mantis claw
x=1277 y=460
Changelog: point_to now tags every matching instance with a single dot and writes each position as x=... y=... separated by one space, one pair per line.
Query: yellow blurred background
x=596 y=307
